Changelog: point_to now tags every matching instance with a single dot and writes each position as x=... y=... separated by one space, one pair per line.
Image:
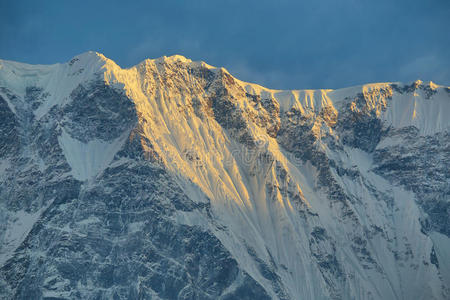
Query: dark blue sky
x=279 y=44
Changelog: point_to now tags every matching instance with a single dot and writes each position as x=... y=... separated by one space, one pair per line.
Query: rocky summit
x=174 y=180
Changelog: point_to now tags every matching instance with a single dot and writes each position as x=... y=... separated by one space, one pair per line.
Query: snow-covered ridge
x=56 y=80
x=410 y=104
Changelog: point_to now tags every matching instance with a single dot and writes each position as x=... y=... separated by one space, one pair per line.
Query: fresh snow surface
x=88 y=159
x=409 y=109
x=58 y=80
x=18 y=226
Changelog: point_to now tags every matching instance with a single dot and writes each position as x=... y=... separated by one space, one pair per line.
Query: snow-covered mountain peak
x=88 y=57
x=173 y=179
x=176 y=61
x=173 y=59
x=91 y=63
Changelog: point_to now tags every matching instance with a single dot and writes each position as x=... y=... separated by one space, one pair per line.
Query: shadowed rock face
x=104 y=113
x=8 y=130
x=175 y=180
x=120 y=241
x=421 y=164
